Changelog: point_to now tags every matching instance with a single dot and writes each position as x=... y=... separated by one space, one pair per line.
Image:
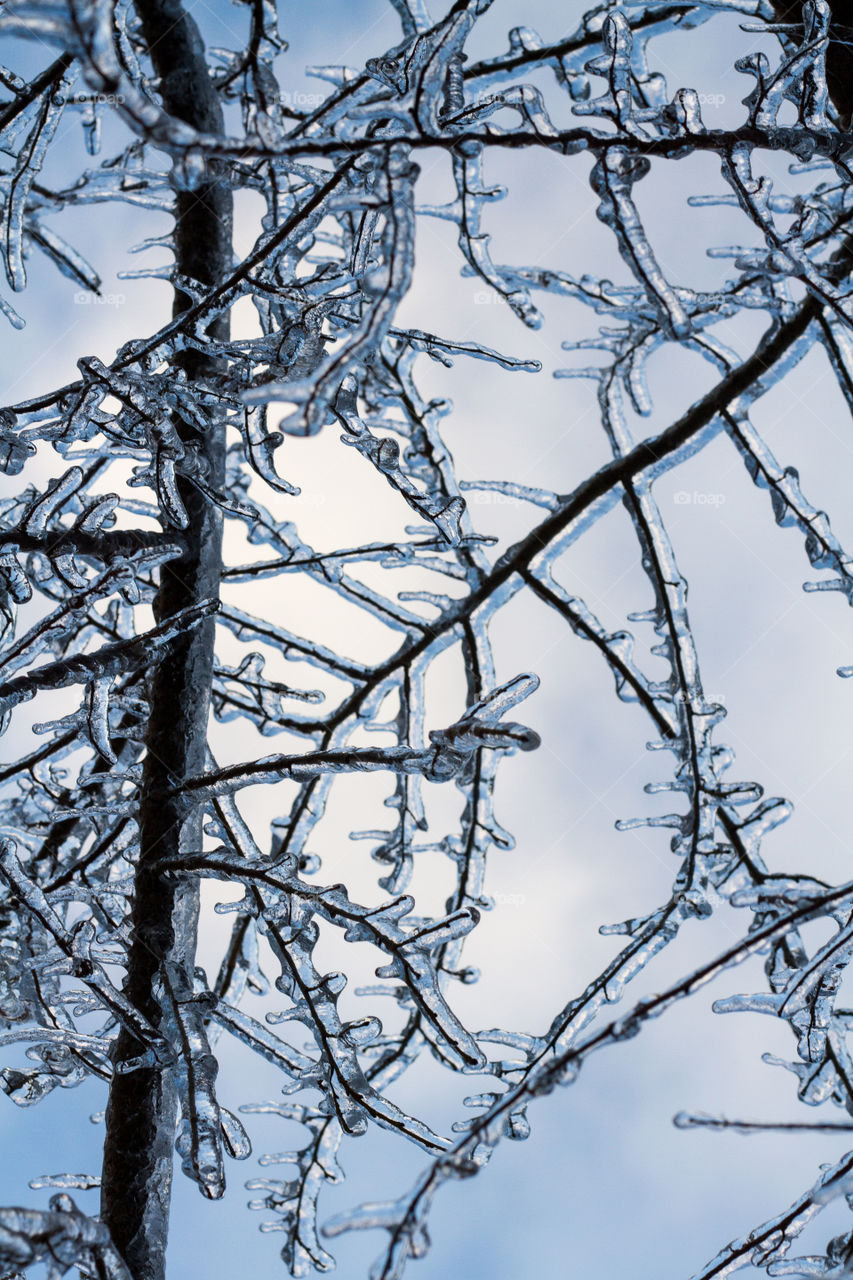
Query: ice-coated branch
x=62 y=1236
x=411 y=950
x=107 y=662
x=76 y=944
x=451 y=751
x=405 y=1219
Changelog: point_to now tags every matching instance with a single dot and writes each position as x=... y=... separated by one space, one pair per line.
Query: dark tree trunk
x=142 y=1108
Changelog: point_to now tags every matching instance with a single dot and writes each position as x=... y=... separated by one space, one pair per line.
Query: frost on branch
x=201 y=422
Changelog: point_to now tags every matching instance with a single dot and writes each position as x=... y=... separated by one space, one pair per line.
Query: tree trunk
x=142 y=1107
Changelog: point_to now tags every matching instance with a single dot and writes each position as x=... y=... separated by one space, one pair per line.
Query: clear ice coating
x=80 y=564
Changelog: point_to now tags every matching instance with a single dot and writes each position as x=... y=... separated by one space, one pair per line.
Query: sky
x=605 y=1185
